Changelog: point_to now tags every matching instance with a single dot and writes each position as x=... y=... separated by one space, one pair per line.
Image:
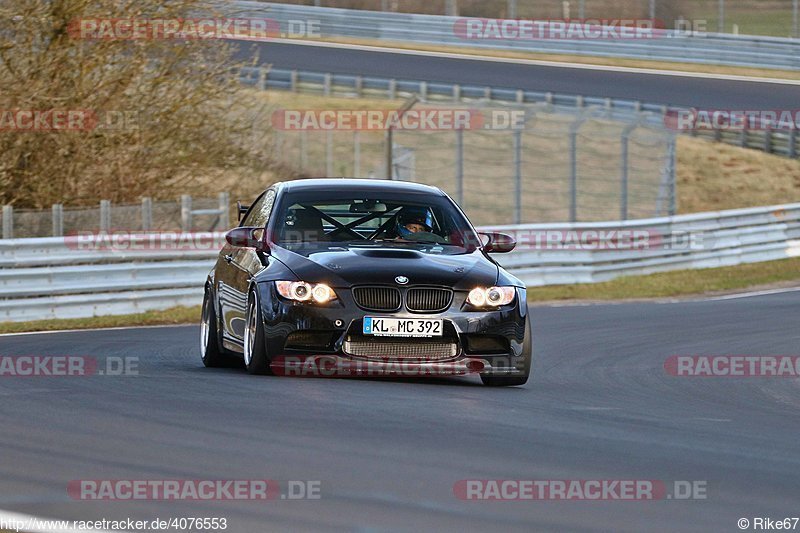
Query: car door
x=235 y=267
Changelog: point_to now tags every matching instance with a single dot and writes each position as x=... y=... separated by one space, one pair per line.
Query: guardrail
x=667 y=45
x=774 y=141
x=63 y=278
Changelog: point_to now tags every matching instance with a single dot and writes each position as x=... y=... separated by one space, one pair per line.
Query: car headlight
x=491 y=297
x=302 y=291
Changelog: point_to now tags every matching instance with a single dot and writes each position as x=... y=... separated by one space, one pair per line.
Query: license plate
x=402 y=327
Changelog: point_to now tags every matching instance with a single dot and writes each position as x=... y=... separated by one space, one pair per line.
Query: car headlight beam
x=301 y=291
x=491 y=296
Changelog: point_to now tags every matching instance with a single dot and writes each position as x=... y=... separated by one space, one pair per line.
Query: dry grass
x=680 y=283
x=713 y=176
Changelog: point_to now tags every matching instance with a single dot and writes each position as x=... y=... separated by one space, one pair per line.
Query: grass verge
x=175 y=315
x=678 y=283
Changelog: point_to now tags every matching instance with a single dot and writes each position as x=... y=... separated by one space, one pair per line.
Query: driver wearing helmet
x=412 y=220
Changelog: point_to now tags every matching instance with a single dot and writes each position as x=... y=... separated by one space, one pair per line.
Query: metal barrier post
x=8 y=222
x=326 y=86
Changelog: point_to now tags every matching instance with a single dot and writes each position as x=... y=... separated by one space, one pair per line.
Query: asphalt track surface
x=388 y=452
x=703 y=93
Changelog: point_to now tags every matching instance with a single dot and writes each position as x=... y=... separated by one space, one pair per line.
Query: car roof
x=359 y=184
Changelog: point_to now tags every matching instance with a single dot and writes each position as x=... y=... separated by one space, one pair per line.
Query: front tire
x=210 y=352
x=256 y=358
x=520 y=378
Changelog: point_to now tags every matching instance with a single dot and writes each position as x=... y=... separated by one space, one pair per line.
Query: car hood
x=348 y=266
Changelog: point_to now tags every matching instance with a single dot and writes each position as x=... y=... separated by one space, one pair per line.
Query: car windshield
x=427 y=223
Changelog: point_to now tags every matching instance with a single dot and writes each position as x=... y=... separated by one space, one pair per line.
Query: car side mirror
x=498 y=243
x=248 y=238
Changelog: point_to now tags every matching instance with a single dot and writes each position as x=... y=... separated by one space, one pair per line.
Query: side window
x=259 y=214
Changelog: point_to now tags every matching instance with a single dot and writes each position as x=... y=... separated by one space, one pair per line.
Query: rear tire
x=256 y=359
x=520 y=378
x=210 y=352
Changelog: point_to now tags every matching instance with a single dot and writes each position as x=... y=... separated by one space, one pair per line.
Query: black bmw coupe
x=365 y=277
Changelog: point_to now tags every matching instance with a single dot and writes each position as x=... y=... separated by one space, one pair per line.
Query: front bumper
x=309 y=339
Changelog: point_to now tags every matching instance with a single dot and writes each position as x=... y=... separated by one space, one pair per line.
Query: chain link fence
x=561 y=165
x=186 y=214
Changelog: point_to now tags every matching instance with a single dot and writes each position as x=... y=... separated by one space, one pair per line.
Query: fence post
x=795 y=18
x=652 y=10
x=573 y=169
x=392 y=89
x=512 y=9
x=423 y=90
x=224 y=210
x=623 y=198
x=517 y=176
x=388 y=158
x=673 y=163
x=105 y=215
x=793 y=143
x=293 y=81
x=456 y=93
x=303 y=150
x=460 y=166
x=356 y=154
x=186 y=213
x=721 y=17
x=58 y=220
x=277 y=143
x=329 y=153
x=147 y=213
x=8 y=222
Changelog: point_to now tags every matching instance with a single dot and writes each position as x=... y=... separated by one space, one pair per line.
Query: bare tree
x=162 y=110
